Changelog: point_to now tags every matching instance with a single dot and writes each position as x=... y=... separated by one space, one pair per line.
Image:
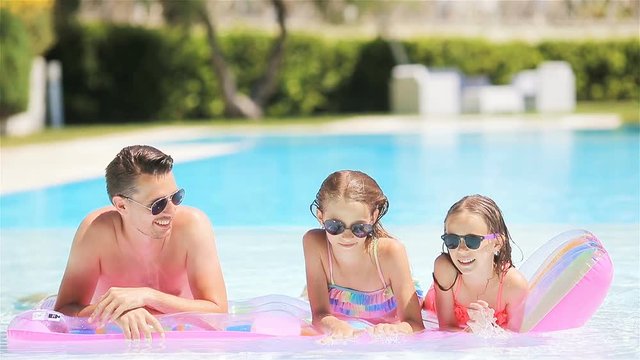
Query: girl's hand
x=476 y=309
x=386 y=329
x=481 y=316
x=343 y=331
x=340 y=330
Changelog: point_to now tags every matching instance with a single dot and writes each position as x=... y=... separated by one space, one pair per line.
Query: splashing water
x=483 y=323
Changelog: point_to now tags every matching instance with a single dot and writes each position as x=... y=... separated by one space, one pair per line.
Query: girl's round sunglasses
x=159 y=205
x=336 y=227
x=452 y=241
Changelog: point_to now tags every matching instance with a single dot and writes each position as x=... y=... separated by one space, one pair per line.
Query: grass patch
x=73 y=132
x=629 y=110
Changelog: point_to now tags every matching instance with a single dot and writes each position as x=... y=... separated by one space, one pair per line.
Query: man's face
x=151 y=188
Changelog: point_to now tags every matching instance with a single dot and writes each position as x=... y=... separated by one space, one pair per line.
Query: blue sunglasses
x=159 y=205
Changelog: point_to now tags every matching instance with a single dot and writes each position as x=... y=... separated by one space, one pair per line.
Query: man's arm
x=206 y=282
x=203 y=270
x=82 y=271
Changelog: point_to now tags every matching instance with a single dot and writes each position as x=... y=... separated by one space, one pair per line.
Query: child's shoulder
x=390 y=246
x=515 y=285
x=314 y=236
x=444 y=272
x=443 y=262
x=513 y=276
x=392 y=254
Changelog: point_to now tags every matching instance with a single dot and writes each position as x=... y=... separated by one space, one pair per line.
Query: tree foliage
x=15 y=64
x=237 y=104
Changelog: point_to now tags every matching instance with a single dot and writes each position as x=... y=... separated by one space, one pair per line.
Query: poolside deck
x=40 y=165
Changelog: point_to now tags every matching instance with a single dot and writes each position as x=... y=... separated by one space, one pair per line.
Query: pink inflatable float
x=261 y=317
x=569 y=278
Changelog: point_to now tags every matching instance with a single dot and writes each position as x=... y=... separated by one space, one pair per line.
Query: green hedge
x=15 y=65
x=604 y=70
x=121 y=73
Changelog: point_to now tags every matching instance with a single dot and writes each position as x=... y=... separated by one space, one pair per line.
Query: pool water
x=545 y=182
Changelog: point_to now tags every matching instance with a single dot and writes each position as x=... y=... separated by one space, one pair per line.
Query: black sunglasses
x=159 y=205
x=336 y=227
x=452 y=241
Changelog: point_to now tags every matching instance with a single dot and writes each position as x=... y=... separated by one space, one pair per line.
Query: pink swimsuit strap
x=463 y=316
x=499 y=298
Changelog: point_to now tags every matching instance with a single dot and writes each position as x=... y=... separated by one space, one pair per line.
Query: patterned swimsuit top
x=367 y=305
x=462 y=315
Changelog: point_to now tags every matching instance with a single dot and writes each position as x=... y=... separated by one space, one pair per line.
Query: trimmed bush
x=367 y=87
x=15 y=65
x=604 y=70
x=122 y=73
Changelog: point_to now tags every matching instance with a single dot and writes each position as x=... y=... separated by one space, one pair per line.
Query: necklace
x=484 y=290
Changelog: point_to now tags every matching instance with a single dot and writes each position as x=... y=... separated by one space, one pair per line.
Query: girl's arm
x=444 y=277
x=514 y=294
x=314 y=245
x=395 y=262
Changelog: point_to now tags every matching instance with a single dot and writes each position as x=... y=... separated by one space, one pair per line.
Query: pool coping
x=31 y=167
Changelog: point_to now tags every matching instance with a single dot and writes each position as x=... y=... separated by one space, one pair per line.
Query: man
x=145 y=254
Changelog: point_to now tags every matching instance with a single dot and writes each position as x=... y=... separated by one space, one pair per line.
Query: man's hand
x=116 y=301
x=137 y=323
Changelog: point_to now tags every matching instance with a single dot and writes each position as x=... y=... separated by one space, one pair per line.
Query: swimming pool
x=258 y=198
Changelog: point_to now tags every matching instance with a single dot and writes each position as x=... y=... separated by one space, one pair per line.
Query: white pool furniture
x=493 y=99
x=526 y=82
x=418 y=90
x=408 y=89
x=556 y=87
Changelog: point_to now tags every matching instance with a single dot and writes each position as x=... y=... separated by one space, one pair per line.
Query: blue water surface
x=545 y=181
x=559 y=177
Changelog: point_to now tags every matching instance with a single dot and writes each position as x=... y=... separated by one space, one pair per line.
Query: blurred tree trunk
x=64 y=12
x=236 y=103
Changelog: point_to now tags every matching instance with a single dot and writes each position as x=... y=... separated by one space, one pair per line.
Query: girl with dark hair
x=355 y=269
x=474 y=279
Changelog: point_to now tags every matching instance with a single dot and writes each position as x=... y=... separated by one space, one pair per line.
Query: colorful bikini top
x=502 y=318
x=366 y=305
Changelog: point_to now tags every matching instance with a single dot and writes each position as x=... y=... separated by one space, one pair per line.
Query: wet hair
x=356 y=186
x=490 y=212
x=131 y=162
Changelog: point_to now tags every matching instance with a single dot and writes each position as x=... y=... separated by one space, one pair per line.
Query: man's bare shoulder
x=191 y=224
x=98 y=225
x=190 y=215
